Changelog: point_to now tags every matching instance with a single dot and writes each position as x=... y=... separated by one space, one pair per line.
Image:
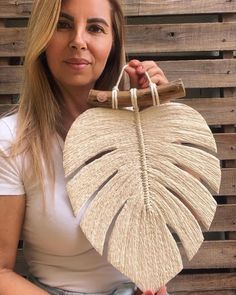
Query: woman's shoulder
x=8 y=127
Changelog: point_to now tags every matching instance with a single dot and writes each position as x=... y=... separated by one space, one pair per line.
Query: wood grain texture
x=15 y=9
x=10 y=79
x=216 y=111
x=199 y=282
x=145 y=39
x=213 y=254
x=202 y=73
x=22 y=8
x=12 y=42
x=180 y=37
x=169 y=7
x=172 y=90
x=228 y=182
x=194 y=73
x=225 y=219
x=226 y=146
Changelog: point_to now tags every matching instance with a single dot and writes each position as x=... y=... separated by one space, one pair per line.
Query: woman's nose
x=78 y=41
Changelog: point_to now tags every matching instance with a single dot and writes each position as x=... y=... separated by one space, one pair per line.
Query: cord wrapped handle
x=133 y=92
x=170 y=91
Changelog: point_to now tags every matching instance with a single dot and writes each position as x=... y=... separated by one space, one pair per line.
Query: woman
x=72 y=47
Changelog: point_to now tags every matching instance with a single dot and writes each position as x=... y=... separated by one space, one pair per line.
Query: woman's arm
x=12 y=210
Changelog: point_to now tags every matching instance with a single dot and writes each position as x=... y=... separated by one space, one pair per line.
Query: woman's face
x=80 y=46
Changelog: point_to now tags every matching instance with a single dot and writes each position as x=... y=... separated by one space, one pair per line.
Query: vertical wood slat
x=228 y=93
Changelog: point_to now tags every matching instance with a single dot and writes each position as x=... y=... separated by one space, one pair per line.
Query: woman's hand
x=136 y=71
x=161 y=291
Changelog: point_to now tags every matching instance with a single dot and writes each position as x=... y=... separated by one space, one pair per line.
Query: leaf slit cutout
x=174 y=234
x=186 y=169
x=190 y=171
x=96 y=157
x=190 y=237
x=92 y=197
x=110 y=229
x=207 y=186
x=143 y=160
x=186 y=204
x=100 y=155
x=190 y=185
x=199 y=147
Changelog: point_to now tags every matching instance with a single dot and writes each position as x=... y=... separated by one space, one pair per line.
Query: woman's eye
x=63 y=25
x=96 y=29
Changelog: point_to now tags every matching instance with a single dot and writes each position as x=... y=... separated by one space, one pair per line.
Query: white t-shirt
x=55 y=249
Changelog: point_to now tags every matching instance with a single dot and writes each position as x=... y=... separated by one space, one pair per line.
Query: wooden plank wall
x=190 y=39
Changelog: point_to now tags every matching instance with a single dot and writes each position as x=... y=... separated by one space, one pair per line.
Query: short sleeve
x=10 y=168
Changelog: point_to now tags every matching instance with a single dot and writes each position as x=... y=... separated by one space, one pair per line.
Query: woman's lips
x=77 y=63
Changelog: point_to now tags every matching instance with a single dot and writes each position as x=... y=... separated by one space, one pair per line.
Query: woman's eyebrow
x=65 y=15
x=90 y=20
x=97 y=20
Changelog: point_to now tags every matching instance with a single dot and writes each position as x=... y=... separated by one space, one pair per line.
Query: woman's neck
x=74 y=104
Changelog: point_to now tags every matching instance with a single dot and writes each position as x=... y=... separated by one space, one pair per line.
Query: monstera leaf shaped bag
x=142 y=175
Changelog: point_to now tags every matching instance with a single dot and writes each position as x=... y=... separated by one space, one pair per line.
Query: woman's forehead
x=92 y=6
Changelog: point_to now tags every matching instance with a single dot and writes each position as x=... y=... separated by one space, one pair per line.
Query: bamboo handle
x=172 y=90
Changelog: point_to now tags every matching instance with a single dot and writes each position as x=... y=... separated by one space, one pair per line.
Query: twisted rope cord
x=134 y=98
x=115 y=97
x=153 y=87
x=142 y=149
x=115 y=89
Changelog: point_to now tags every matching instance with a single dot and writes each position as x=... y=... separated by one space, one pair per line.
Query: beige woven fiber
x=140 y=174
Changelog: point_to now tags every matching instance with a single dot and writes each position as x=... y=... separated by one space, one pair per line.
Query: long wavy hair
x=39 y=102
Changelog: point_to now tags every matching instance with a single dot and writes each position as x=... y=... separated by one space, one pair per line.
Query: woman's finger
x=154 y=72
x=161 y=291
x=138 y=79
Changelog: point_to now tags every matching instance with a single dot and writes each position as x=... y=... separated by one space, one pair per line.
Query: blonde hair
x=39 y=103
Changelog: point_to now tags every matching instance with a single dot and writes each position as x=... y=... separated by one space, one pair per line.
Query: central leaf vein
x=143 y=160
